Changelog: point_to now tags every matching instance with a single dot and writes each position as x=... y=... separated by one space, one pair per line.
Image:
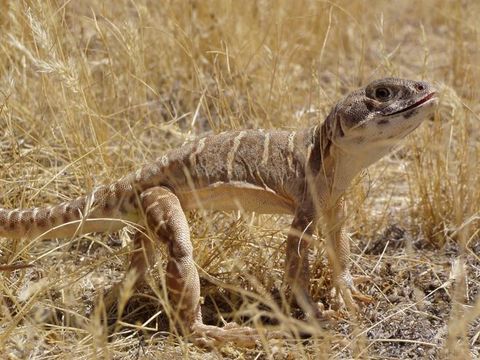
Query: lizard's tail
x=105 y=209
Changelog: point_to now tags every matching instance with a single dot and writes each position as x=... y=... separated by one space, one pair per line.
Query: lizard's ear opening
x=332 y=124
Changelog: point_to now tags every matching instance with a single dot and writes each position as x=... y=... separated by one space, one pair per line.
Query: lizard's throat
x=346 y=167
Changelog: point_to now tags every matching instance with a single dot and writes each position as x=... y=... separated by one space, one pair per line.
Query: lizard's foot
x=357 y=295
x=310 y=309
x=324 y=315
x=345 y=294
x=243 y=336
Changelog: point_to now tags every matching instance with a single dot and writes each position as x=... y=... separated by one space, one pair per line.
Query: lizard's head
x=376 y=117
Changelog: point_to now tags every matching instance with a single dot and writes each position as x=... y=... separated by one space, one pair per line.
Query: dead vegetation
x=90 y=90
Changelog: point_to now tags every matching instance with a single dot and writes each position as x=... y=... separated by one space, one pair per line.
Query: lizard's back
x=252 y=170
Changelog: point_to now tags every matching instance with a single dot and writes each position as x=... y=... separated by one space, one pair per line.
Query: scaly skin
x=303 y=173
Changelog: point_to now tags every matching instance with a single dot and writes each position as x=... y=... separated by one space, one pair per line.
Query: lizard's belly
x=236 y=196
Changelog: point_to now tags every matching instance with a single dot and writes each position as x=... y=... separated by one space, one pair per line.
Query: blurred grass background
x=90 y=90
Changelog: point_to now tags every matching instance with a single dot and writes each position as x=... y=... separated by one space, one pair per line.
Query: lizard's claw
x=209 y=336
x=345 y=293
x=360 y=279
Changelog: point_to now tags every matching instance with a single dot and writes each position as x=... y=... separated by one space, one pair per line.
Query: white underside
x=236 y=196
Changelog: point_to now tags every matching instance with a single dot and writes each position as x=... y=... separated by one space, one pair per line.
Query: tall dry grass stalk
x=90 y=90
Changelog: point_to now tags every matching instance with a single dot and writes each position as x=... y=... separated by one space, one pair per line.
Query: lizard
x=303 y=173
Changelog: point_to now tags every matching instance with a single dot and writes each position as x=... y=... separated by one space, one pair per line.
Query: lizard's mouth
x=417 y=104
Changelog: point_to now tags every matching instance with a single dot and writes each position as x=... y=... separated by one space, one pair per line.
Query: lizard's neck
x=337 y=167
x=348 y=164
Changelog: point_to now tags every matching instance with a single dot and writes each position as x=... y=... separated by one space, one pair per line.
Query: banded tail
x=105 y=209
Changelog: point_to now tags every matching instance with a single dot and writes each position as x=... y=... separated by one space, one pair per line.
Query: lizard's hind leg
x=166 y=222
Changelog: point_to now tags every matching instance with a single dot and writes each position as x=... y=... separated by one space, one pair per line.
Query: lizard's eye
x=420 y=87
x=383 y=93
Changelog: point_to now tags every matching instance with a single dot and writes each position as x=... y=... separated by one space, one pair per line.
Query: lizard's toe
x=232 y=333
x=346 y=295
x=325 y=315
x=361 y=279
x=356 y=294
x=361 y=297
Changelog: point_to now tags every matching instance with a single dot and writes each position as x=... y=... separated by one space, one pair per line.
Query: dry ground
x=90 y=90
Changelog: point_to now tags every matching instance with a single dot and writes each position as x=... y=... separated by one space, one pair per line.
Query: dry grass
x=89 y=90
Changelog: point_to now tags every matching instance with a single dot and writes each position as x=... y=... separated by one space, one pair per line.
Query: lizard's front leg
x=297 y=274
x=338 y=250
